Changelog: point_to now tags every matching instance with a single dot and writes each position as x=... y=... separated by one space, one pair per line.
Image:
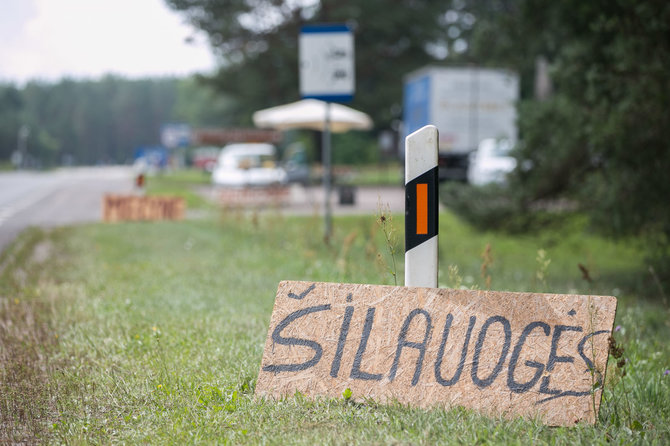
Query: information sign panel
x=327 y=63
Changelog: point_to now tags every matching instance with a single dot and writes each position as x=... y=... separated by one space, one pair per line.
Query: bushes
x=501 y=208
x=486 y=207
x=498 y=207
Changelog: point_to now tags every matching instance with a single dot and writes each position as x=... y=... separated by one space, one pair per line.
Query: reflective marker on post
x=422 y=208
x=421 y=216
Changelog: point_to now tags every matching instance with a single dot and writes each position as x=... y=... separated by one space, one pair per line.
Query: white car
x=491 y=162
x=248 y=164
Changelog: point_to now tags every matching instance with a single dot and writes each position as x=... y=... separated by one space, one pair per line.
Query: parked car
x=491 y=162
x=248 y=164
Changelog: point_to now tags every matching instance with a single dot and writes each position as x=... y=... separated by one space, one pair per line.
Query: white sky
x=50 y=39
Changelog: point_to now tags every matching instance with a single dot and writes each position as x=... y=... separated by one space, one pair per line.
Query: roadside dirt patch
x=26 y=343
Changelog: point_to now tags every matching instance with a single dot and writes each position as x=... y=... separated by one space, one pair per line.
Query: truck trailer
x=467 y=105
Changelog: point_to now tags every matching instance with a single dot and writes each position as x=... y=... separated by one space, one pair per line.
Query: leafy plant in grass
x=385 y=222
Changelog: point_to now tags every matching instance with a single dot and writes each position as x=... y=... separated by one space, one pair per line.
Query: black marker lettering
x=478 y=349
x=440 y=354
x=344 y=331
x=279 y=339
x=544 y=388
x=580 y=348
x=303 y=294
x=553 y=359
x=511 y=383
x=356 y=372
x=403 y=342
x=557 y=393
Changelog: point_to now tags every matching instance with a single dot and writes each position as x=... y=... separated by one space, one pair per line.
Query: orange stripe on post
x=422 y=208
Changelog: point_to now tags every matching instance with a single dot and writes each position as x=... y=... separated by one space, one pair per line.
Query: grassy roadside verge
x=28 y=343
x=180 y=183
x=153 y=333
x=391 y=174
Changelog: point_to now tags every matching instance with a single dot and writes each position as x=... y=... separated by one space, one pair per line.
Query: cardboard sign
x=509 y=354
x=136 y=208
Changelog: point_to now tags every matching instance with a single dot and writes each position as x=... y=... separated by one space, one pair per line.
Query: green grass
x=180 y=183
x=391 y=174
x=6 y=166
x=153 y=332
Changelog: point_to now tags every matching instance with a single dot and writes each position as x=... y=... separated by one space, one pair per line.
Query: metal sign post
x=327 y=73
x=327 y=175
x=421 y=207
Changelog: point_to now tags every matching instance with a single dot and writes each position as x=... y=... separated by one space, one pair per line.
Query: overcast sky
x=50 y=39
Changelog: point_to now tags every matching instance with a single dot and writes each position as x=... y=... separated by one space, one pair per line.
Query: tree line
x=100 y=121
x=595 y=134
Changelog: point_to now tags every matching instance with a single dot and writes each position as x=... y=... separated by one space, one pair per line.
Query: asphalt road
x=60 y=197
x=71 y=196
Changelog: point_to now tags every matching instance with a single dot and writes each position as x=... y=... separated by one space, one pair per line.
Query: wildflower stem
x=386 y=224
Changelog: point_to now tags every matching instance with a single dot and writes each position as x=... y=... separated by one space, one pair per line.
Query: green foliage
x=153 y=333
x=88 y=121
x=259 y=43
x=354 y=148
x=10 y=123
x=385 y=222
x=601 y=137
x=199 y=105
x=102 y=121
x=491 y=206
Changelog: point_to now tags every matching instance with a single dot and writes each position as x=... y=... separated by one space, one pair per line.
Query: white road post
x=421 y=207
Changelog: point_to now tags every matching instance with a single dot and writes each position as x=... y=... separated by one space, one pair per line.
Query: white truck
x=467 y=105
